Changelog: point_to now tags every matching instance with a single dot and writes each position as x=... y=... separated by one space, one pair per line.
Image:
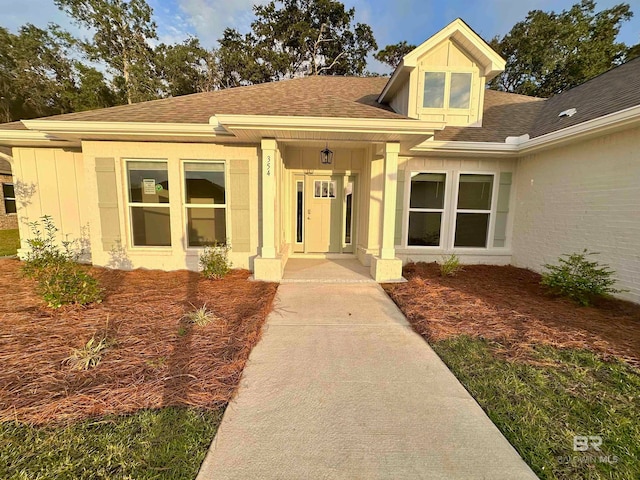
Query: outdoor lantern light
x=326 y=156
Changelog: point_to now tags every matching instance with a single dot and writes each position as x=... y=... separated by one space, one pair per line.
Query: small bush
x=450 y=266
x=214 y=261
x=88 y=356
x=579 y=278
x=61 y=280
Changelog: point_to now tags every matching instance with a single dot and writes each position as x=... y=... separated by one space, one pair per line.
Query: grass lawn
x=9 y=242
x=539 y=407
x=543 y=368
x=152 y=404
x=169 y=443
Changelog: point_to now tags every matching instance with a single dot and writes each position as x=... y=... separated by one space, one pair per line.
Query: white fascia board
x=482 y=148
x=399 y=74
x=600 y=125
x=328 y=124
x=134 y=129
x=28 y=138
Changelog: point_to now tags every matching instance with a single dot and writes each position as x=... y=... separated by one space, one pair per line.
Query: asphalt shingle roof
x=350 y=97
x=508 y=114
x=612 y=91
x=505 y=114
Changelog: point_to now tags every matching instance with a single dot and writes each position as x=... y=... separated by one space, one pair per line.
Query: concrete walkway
x=341 y=388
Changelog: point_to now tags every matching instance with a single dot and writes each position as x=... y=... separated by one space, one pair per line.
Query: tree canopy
x=292 y=38
x=549 y=52
x=393 y=54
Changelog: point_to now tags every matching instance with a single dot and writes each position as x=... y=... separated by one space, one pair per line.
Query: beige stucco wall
x=452 y=167
x=177 y=256
x=585 y=195
x=50 y=181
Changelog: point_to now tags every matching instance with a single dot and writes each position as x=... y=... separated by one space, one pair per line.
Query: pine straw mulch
x=508 y=305
x=155 y=357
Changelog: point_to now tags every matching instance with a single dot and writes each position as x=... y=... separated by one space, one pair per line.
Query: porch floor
x=323 y=270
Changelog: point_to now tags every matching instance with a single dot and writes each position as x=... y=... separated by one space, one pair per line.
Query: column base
x=386 y=270
x=268 y=269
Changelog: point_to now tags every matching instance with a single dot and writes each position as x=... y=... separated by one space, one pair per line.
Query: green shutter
x=502 y=211
x=108 y=202
x=239 y=205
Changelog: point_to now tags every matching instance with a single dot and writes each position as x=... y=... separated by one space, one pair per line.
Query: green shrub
x=61 y=280
x=214 y=261
x=579 y=278
x=450 y=266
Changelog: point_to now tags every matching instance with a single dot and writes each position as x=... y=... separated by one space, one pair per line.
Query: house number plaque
x=268 y=165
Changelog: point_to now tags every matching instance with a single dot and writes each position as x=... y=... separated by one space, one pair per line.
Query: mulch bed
x=155 y=357
x=508 y=305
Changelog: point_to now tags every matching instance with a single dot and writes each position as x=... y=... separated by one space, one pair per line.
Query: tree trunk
x=127 y=78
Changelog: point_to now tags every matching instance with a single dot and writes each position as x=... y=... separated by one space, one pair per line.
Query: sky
x=391 y=20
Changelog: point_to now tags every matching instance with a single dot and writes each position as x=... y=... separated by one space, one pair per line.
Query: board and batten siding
x=584 y=195
x=51 y=181
x=241 y=170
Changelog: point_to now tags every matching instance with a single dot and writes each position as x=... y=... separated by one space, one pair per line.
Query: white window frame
x=447 y=90
x=185 y=206
x=490 y=212
x=443 y=211
x=129 y=204
x=329 y=182
x=4 y=199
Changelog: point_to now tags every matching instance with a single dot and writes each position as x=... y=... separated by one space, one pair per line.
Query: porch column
x=386 y=267
x=269 y=147
x=268 y=266
x=389 y=191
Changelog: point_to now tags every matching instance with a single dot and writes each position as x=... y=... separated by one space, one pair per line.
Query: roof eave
x=253 y=127
x=599 y=126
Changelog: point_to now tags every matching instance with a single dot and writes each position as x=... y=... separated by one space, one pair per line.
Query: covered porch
x=344 y=210
x=343 y=202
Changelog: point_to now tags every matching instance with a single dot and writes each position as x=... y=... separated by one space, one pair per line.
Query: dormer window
x=447 y=90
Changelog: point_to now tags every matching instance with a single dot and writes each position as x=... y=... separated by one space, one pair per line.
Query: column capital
x=392 y=147
x=268 y=144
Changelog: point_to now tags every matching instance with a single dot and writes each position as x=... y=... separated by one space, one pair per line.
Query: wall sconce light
x=326 y=156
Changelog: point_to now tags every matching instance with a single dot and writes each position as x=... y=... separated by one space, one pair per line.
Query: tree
x=393 y=54
x=39 y=77
x=186 y=68
x=633 y=52
x=121 y=32
x=292 y=38
x=238 y=63
x=550 y=52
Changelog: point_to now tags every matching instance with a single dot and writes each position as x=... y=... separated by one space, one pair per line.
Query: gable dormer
x=443 y=79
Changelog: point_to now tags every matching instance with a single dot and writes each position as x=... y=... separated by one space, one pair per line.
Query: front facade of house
x=411 y=168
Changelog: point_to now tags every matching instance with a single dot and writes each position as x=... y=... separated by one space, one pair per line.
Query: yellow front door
x=323 y=213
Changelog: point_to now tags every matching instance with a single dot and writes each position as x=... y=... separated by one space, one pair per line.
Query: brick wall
x=586 y=195
x=6 y=221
